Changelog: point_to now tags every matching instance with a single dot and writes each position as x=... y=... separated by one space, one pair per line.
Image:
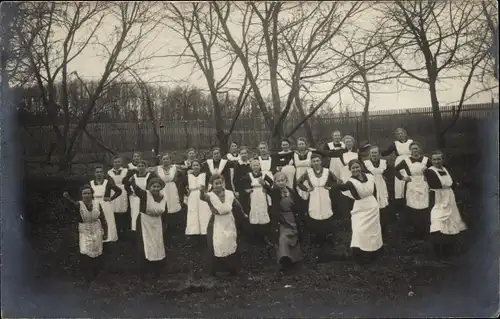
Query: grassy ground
x=405 y=276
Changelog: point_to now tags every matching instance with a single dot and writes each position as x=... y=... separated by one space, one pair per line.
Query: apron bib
x=289 y=171
x=365 y=217
x=224 y=231
x=219 y=170
x=335 y=165
x=258 y=203
x=320 y=205
x=301 y=167
x=198 y=211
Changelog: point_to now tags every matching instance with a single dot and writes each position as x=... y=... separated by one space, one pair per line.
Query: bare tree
x=433 y=40
x=490 y=12
x=81 y=24
x=294 y=37
x=200 y=29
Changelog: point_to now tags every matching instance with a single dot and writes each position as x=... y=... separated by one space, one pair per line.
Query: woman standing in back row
x=401 y=147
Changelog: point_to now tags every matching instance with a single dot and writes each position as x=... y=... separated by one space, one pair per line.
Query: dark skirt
x=365 y=257
x=260 y=232
x=91 y=266
x=288 y=250
x=123 y=221
x=231 y=263
x=417 y=222
x=444 y=245
x=322 y=227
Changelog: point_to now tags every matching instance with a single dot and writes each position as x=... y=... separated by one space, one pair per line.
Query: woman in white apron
x=335 y=165
x=218 y=165
x=301 y=162
x=174 y=220
x=401 y=147
x=234 y=154
x=417 y=214
x=366 y=240
x=284 y=162
x=446 y=221
x=380 y=170
x=136 y=158
x=141 y=179
x=320 y=215
x=102 y=186
x=285 y=222
x=91 y=231
x=198 y=212
x=258 y=215
x=120 y=205
x=150 y=230
x=223 y=228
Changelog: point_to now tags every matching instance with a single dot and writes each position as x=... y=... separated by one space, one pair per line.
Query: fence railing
x=126 y=137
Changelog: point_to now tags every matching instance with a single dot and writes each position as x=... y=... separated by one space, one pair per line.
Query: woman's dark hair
x=86 y=186
x=417 y=144
x=355 y=161
x=156 y=180
x=438 y=152
x=316 y=155
x=216 y=177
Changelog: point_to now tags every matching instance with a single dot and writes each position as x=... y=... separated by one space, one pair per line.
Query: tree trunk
x=436 y=114
x=307 y=127
x=223 y=139
x=366 y=109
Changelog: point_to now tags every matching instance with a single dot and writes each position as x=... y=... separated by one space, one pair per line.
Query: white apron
x=99 y=191
x=445 y=217
x=135 y=202
x=404 y=152
x=258 y=202
x=170 y=191
x=365 y=217
x=417 y=191
x=377 y=172
x=289 y=171
x=265 y=165
x=120 y=204
x=224 y=235
x=320 y=205
x=301 y=167
x=198 y=211
x=90 y=232
x=231 y=157
x=152 y=229
x=345 y=173
x=211 y=167
x=335 y=162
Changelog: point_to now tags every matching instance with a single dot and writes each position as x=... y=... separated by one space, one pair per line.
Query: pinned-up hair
x=302 y=139
x=286 y=140
x=142 y=162
x=348 y=137
x=416 y=144
x=243 y=148
x=155 y=180
x=278 y=174
x=215 y=148
x=263 y=143
x=190 y=149
x=96 y=166
x=216 y=177
x=86 y=186
x=354 y=161
x=438 y=152
x=316 y=155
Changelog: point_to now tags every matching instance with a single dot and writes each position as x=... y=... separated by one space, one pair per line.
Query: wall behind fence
x=127 y=137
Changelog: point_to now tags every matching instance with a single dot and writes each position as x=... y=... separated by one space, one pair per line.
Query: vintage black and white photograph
x=249 y=159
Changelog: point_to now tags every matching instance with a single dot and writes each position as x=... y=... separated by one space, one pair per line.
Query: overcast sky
x=165 y=71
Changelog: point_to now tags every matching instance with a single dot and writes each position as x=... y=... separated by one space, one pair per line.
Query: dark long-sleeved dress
x=285 y=224
x=101 y=191
x=284 y=163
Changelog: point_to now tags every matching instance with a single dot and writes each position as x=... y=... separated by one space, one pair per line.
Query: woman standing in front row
x=222 y=232
x=417 y=215
x=150 y=228
x=285 y=222
x=446 y=221
x=301 y=161
x=320 y=214
x=102 y=185
x=366 y=241
x=91 y=231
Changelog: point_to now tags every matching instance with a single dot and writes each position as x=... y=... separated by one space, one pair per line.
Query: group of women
x=273 y=198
